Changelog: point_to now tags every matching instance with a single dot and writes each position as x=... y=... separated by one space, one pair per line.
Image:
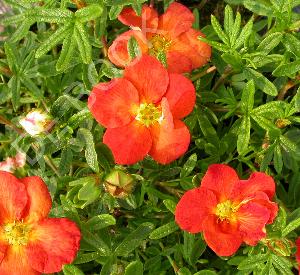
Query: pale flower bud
x=20 y=160
x=36 y=122
x=8 y=165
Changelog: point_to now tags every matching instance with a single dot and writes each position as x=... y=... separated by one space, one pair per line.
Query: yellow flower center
x=17 y=233
x=225 y=210
x=159 y=43
x=148 y=114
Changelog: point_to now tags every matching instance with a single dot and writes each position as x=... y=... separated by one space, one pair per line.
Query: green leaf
x=247 y=100
x=261 y=81
x=21 y=31
x=83 y=43
x=291 y=227
x=89 y=13
x=15 y=86
x=90 y=152
x=244 y=35
x=170 y=205
x=206 y=272
x=292 y=44
x=278 y=163
x=235 y=29
x=133 y=48
x=258 y=8
x=189 y=166
x=134 y=268
x=12 y=60
x=297 y=100
x=184 y=271
x=219 y=31
x=100 y=222
x=282 y=265
x=72 y=270
x=244 y=135
x=65 y=161
x=50 y=15
x=287 y=69
x=15 y=19
x=134 y=239
x=53 y=40
x=32 y=88
x=264 y=123
x=251 y=261
x=164 y=230
x=228 y=20
x=67 y=53
x=270 y=42
x=115 y=11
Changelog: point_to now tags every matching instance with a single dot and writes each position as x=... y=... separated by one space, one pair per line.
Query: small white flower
x=20 y=160
x=35 y=123
x=8 y=165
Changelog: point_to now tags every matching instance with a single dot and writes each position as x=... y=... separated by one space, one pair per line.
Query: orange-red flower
x=30 y=242
x=142 y=112
x=170 y=33
x=228 y=211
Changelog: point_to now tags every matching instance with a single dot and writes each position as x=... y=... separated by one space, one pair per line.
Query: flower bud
x=8 y=165
x=36 y=122
x=119 y=184
x=282 y=123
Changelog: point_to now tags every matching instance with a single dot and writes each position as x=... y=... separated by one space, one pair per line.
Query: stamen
x=17 y=233
x=149 y=114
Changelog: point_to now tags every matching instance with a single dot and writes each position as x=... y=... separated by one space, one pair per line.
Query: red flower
x=31 y=243
x=142 y=112
x=228 y=210
x=171 y=33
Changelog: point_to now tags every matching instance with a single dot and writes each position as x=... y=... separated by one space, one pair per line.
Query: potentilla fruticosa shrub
x=149 y=137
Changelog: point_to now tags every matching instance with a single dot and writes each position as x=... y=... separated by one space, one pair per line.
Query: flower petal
x=222 y=237
x=257 y=182
x=189 y=45
x=171 y=139
x=16 y=262
x=129 y=144
x=149 y=77
x=176 y=20
x=178 y=63
x=118 y=51
x=113 y=104
x=252 y=219
x=13 y=198
x=298 y=250
x=53 y=243
x=147 y=22
x=181 y=96
x=39 y=199
x=221 y=179
x=193 y=207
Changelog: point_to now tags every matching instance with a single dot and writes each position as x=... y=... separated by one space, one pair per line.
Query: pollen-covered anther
x=159 y=43
x=149 y=114
x=225 y=210
x=17 y=233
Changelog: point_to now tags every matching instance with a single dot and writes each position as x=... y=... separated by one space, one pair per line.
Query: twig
x=199 y=75
x=287 y=87
x=228 y=70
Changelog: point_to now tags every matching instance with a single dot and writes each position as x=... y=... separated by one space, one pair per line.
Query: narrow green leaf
x=292 y=43
x=189 y=166
x=83 y=43
x=12 y=60
x=89 y=13
x=287 y=69
x=50 y=15
x=133 y=48
x=15 y=86
x=219 y=46
x=164 y=230
x=100 y=222
x=261 y=81
x=32 y=88
x=270 y=42
x=264 y=123
x=21 y=31
x=291 y=227
x=15 y=19
x=235 y=29
x=115 y=11
x=251 y=261
x=170 y=205
x=90 y=152
x=244 y=135
x=258 y=7
x=247 y=101
x=65 y=161
x=244 y=35
x=67 y=53
x=228 y=20
x=134 y=239
x=278 y=163
x=219 y=31
x=53 y=40
x=72 y=270
x=282 y=264
x=134 y=268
